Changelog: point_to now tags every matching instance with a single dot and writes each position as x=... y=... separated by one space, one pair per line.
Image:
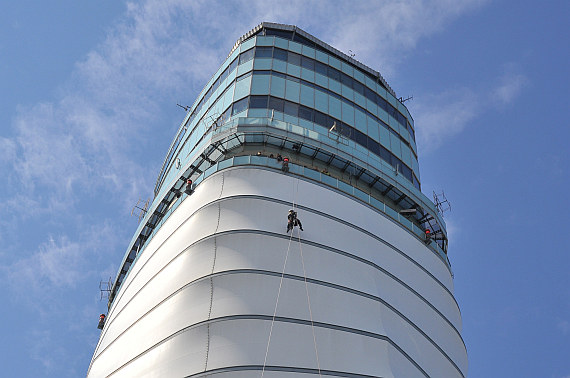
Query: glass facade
x=273 y=77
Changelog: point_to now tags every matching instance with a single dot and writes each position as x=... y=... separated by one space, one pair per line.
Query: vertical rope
x=276 y=304
x=211 y=276
x=280 y=286
x=309 y=303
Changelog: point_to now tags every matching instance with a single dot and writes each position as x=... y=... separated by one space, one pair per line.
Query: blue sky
x=88 y=110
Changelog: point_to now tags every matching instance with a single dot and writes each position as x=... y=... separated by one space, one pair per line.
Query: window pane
x=291 y=108
x=308 y=63
x=246 y=56
x=374 y=146
x=346 y=130
x=321 y=68
x=305 y=113
x=360 y=138
x=276 y=104
x=257 y=102
x=263 y=52
x=333 y=74
x=233 y=65
x=346 y=80
x=358 y=87
x=280 y=54
x=321 y=119
x=294 y=58
x=239 y=106
x=385 y=155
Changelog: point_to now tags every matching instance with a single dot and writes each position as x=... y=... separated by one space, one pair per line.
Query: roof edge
x=317 y=41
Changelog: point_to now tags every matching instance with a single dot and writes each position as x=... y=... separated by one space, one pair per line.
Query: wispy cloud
x=509 y=86
x=442 y=116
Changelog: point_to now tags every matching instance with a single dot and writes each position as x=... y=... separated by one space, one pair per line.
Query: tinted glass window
x=294 y=58
x=245 y=56
x=308 y=63
x=407 y=172
x=359 y=137
x=333 y=74
x=374 y=146
x=280 y=54
x=305 y=113
x=258 y=102
x=381 y=103
x=291 y=109
x=369 y=94
x=276 y=104
x=346 y=80
x=385 y=154
x=239 y=106
x=321 y=68
x=263 y=52
x=344 y=129
x=224 y=74
x=233 y=65
x=321 y=119
x=358 y=87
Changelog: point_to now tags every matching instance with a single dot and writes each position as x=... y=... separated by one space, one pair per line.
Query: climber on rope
x=101 y=321
x=293 y=221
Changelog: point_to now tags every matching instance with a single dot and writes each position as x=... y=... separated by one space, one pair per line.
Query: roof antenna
x=183 y=107
x=142 y=210
x=351 y=54
x=402 y=100
x=441 y=203
x=105 y=288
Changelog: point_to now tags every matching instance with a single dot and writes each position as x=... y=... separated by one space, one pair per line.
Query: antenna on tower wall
x=105 y=288
x=441 y=203
x=183 y=107
x=141 y=210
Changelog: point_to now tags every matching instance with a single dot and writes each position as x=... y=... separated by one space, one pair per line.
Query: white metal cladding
x=200 y=298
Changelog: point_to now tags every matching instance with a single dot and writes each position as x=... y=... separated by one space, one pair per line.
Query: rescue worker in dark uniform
x=293 y=221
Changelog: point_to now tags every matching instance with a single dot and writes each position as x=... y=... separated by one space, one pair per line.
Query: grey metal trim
x=286 y=369
x=287 y=320
x=288 y=276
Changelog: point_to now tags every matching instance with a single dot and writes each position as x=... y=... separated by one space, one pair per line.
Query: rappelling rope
x=280 y=285
x=309 y=303
x=211 y=276
x=276 y=304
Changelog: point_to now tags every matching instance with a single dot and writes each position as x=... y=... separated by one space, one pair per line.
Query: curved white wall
x=201 y=296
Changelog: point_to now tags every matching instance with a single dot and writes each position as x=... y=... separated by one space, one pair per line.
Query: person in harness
x=293 y=221
x=101 y=321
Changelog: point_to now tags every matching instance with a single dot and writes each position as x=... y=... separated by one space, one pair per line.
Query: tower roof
x=320 y=45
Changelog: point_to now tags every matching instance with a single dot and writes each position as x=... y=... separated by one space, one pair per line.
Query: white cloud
x=381 y=33
x=510 y=86
x=440 y=117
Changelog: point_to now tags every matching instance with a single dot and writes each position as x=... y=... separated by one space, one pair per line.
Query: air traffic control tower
x=212 y=285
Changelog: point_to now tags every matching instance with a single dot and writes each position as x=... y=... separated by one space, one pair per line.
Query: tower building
x=213 y=285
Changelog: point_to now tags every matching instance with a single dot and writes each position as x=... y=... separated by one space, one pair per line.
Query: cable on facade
x=211 y=276
x=309 y=303
x=294 y=205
